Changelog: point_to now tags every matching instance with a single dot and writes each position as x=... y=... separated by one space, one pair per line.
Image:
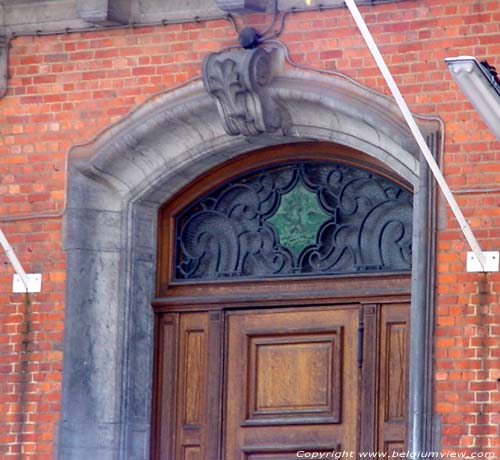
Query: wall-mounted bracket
x=34 y=281
x=22 y=282
x=491 y=263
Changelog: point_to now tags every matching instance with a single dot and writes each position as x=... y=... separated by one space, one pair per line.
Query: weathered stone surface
x=22 y=16
x=80 y=223
x=94 y=442
x=91 y=389
x=106 y=11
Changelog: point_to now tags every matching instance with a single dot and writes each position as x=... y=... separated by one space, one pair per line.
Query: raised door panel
x=308 y=363
x=191 y=453
x=292 y=383
x=163 y=437
x=393 y=377
x=291 y=453
x=192 y=381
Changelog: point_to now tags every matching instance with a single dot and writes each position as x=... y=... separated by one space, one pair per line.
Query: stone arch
x=116 y=185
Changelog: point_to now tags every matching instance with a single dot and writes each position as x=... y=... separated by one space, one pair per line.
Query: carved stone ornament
x=238 y=81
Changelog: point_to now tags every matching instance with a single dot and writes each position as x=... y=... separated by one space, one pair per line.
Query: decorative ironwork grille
x=296 y=219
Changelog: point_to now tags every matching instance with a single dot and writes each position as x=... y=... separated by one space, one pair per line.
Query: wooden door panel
x=393 y=377
x=188 y=384
x=289 y=453
x=292 y=380
x=191 y=453
x=275 y=362
x=192 y=382
x=163 y=439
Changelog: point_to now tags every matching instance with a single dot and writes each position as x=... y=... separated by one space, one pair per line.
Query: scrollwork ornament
x=238 y=81
x=308 y=218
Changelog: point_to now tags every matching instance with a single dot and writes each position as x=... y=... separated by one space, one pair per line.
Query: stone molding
x=106 y=12
x=29 y=16
x=116 y=185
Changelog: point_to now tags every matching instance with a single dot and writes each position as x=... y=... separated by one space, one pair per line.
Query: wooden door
x=264 y=384
x=282 y=308
x=384 y=377
x=188 y=386
x=292 y=383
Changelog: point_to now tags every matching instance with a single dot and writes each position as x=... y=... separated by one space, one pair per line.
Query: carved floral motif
x=238 y=80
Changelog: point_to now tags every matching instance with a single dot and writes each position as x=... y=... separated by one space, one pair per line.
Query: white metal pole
x=466 y=230
x=14 y=260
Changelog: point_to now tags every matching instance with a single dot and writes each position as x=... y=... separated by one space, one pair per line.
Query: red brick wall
x=66 y=88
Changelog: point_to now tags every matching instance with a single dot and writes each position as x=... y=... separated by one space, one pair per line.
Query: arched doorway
x=283 y=309
x=116 y=185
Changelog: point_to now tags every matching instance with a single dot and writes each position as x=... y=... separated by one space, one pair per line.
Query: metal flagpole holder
x=22 y=282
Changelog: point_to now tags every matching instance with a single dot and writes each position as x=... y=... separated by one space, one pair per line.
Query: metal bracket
x=491 y=263
x=34 y=283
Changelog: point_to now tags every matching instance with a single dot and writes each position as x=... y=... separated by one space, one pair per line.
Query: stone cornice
x=53 y=16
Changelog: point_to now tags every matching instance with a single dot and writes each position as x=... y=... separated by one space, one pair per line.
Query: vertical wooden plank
x=393 y=379
x=165 y=387
x=368 y=409
x=191 y=401
x=214 y=385
x=194 y=370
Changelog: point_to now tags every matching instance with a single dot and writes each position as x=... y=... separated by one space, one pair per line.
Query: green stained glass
x=298 y=219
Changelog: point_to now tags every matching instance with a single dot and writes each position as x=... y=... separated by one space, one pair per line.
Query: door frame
x=116 y=185
x=175 y=296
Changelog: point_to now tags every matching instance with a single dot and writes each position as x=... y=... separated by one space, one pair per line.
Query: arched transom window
x=296 y=219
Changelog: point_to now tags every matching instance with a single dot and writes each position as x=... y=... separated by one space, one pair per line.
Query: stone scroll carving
x=238 y=81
